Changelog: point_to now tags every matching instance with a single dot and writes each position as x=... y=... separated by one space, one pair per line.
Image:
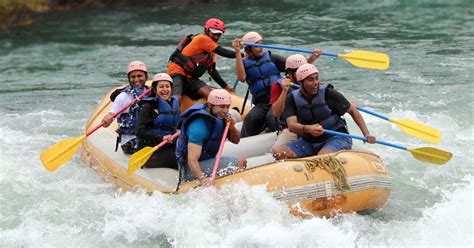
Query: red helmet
x=215 y=24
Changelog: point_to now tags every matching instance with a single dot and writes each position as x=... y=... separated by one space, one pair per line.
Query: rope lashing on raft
x=332 y=165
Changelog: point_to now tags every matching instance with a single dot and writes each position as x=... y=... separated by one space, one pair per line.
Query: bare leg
x=204 y=91
x=325 y=151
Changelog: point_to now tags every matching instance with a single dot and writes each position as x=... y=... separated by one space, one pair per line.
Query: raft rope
x=330 y=164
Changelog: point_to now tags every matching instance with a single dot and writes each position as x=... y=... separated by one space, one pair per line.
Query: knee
x=278 y=153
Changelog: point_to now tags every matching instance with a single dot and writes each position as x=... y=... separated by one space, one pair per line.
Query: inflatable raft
x=347 y=181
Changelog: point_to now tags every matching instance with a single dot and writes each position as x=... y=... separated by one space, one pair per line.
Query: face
x=220 y=111
x=214 y=37
x=257 y=51
x=311 y=84
x=163 y=89
x=291 y=75
x=137 y=79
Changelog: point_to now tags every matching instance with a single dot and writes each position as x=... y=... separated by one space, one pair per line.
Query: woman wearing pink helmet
x=157 y=121
x=137 y=74
x=202 y=127
x=282 y=88
x=260 y=69
x=194 y=56
x=310 y=109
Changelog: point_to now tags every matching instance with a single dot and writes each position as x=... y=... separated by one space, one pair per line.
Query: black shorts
x=187 y=86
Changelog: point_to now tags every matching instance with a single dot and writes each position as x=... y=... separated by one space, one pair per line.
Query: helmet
x=219 y=97
x=294 y=61
x=252 y=37
x=162 y=77
x=304 y=71
x=136 y=65
x=215 y=24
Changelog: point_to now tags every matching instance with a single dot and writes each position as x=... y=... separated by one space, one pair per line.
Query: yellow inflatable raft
x=346 y=181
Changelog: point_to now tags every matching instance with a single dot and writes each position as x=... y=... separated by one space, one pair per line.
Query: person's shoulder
x=202 y=38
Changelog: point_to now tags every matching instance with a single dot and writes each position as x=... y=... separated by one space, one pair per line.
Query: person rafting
x=157 y=121
x=137 y=75
x=194 y=56
x=202 y=128
x=282 y=88
x=312 y=108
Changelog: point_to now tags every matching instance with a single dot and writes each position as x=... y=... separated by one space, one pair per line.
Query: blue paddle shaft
x=290 y=49
x=364 y=139
x=372 y=113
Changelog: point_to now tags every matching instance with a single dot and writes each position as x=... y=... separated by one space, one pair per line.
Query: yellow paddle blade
x=431 y=155
x=60 y=153
x=419 y=130
x=367 y=59
x=138 y=159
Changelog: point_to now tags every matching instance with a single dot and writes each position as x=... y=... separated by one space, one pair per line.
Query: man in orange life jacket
x=194 y=56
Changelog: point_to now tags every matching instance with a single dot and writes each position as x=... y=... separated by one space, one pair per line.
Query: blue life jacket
x=167 y=119
x=128 y=121
x=211 y=146
x=317 y=112
x=261 y=74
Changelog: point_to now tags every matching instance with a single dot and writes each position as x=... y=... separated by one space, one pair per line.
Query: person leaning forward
x=312 y=108
x=194 y=56
x=202 y=128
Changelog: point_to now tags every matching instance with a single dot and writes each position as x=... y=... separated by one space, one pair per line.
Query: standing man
x=137 y=74
x=194 y=56
x=202 y=128
x=312 y=108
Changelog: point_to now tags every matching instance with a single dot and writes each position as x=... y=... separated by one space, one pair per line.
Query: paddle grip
x=364 y=139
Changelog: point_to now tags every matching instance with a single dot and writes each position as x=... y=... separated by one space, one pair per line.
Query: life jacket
x=211 y=146
x=261 y=74
x=317 y=112
x=166 y=121
x=128 y=121
x=195 y=65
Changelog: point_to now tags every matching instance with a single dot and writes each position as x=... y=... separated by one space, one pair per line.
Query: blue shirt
x=199 y=131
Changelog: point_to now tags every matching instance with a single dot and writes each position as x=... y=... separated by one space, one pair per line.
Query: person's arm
x=314 y=56
x=338 y=103
x=116 y=106
x=226 y=53
x=279 y=105
x=234 y=134
x=359 y=120
x=217 y=77
x=145 y=121
x=239 y=63
x=279 y=61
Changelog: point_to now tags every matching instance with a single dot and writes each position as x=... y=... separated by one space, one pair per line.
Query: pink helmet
x=162 y=77
x=215 y=23
x=294 y=61
x=252 y=37
x=219 y=97
x=136 y=65
x=304 y=71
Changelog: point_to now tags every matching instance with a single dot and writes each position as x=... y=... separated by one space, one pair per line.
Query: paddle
x=58 y=154
x=138 y=159
x=426 y=154
x=413 y=128
x=359 y=58
x=221 y=147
